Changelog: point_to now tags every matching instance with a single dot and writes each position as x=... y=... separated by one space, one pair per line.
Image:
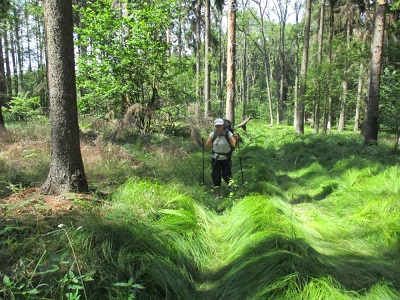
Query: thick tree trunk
x=66 y=170
x=231 y=55
x=371 y=125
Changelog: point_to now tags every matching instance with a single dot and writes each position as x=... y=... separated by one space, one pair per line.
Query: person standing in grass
x=221 y=140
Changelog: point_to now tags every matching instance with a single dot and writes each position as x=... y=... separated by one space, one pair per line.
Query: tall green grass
x=317 y=217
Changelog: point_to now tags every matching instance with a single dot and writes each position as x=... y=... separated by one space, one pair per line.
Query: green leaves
x=125 y=53
x=389 y=103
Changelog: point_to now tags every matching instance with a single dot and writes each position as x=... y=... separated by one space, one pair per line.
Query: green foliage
x=389 y=105
x=22 y=108
x=125 y=57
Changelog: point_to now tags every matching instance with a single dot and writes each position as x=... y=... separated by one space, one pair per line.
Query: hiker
x=222 y=141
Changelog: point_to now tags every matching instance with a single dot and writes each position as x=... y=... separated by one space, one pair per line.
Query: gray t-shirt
x=220 y=145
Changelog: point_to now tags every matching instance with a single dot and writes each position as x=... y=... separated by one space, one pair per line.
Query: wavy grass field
x=317 y=217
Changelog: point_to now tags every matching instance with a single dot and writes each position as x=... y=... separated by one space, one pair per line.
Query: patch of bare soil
x=30 y=204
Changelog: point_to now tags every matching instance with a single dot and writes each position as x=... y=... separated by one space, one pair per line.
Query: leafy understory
x=317 y=217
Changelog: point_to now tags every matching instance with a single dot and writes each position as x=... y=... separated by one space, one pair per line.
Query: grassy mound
x=315 y=217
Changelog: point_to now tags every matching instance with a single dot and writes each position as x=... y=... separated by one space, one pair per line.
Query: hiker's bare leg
x=217 y=191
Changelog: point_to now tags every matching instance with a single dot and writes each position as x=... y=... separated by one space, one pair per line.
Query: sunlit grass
x=317 y=217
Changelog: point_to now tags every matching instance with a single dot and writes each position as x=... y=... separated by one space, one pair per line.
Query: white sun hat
x=219 y=122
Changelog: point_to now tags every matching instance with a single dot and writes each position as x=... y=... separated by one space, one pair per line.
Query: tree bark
x=303 y=70
x=7 y=63
x=317 y=104
x=359 y=97
x=342 y=115
x=3 y=87
x=297 y=9
x=231 y=53
x=266 y=57
x=207 y=84
x=198 y=46
x=66 y=170
x=244 y=79
x=345 y=81
x=371 y=124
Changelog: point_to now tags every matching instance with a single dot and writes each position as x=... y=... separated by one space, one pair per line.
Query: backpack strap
x=226 y=133
x=214 y=136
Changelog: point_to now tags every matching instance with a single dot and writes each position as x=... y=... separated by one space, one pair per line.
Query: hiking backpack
x=227 y=128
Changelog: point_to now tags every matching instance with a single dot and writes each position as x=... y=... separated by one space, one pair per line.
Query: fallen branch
x=243 y=124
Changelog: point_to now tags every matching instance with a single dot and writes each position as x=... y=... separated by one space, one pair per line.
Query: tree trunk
x=359 y=97
x=271 y=116
x=20 y=47
x=345 y=84
x=281 y=8
x=296 y=60
x=303 y=71
x=371 y=125
x=198 y=46
x=221 y=85
x=317 y=108
x=207 y=84
x=231 y=53
x=7 y=63
x=3 y=87
x=244 y=79
x=14 y=39
x=66 y=170
x=279 y=109
x=342 y=115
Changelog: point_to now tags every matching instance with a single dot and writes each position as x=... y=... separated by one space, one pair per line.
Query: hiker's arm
x=208 y=142
x=233 y=141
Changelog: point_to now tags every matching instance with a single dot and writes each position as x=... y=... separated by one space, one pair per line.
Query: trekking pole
x=202 y=142
x=240 y=159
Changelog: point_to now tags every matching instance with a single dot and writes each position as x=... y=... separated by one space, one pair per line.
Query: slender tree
x=371 y=124
x=317 y=103
x=282 y=11
x=345 y=80
x=3 y=87
x=207 y=36
x=360 y=85
x=296 y=7
x=198 y=48
x=66 y=170
x=303 y=72
x=231 y=57
x=4 y=8
x=261 y=19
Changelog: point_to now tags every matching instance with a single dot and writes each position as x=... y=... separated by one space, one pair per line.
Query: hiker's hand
x=201 y=142
x=238 y=138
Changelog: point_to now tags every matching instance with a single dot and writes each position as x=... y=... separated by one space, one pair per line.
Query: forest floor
x=332 y=237
x=30 y=203
x=27 y=162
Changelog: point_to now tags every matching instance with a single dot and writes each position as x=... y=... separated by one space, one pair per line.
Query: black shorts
x=221 y=169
